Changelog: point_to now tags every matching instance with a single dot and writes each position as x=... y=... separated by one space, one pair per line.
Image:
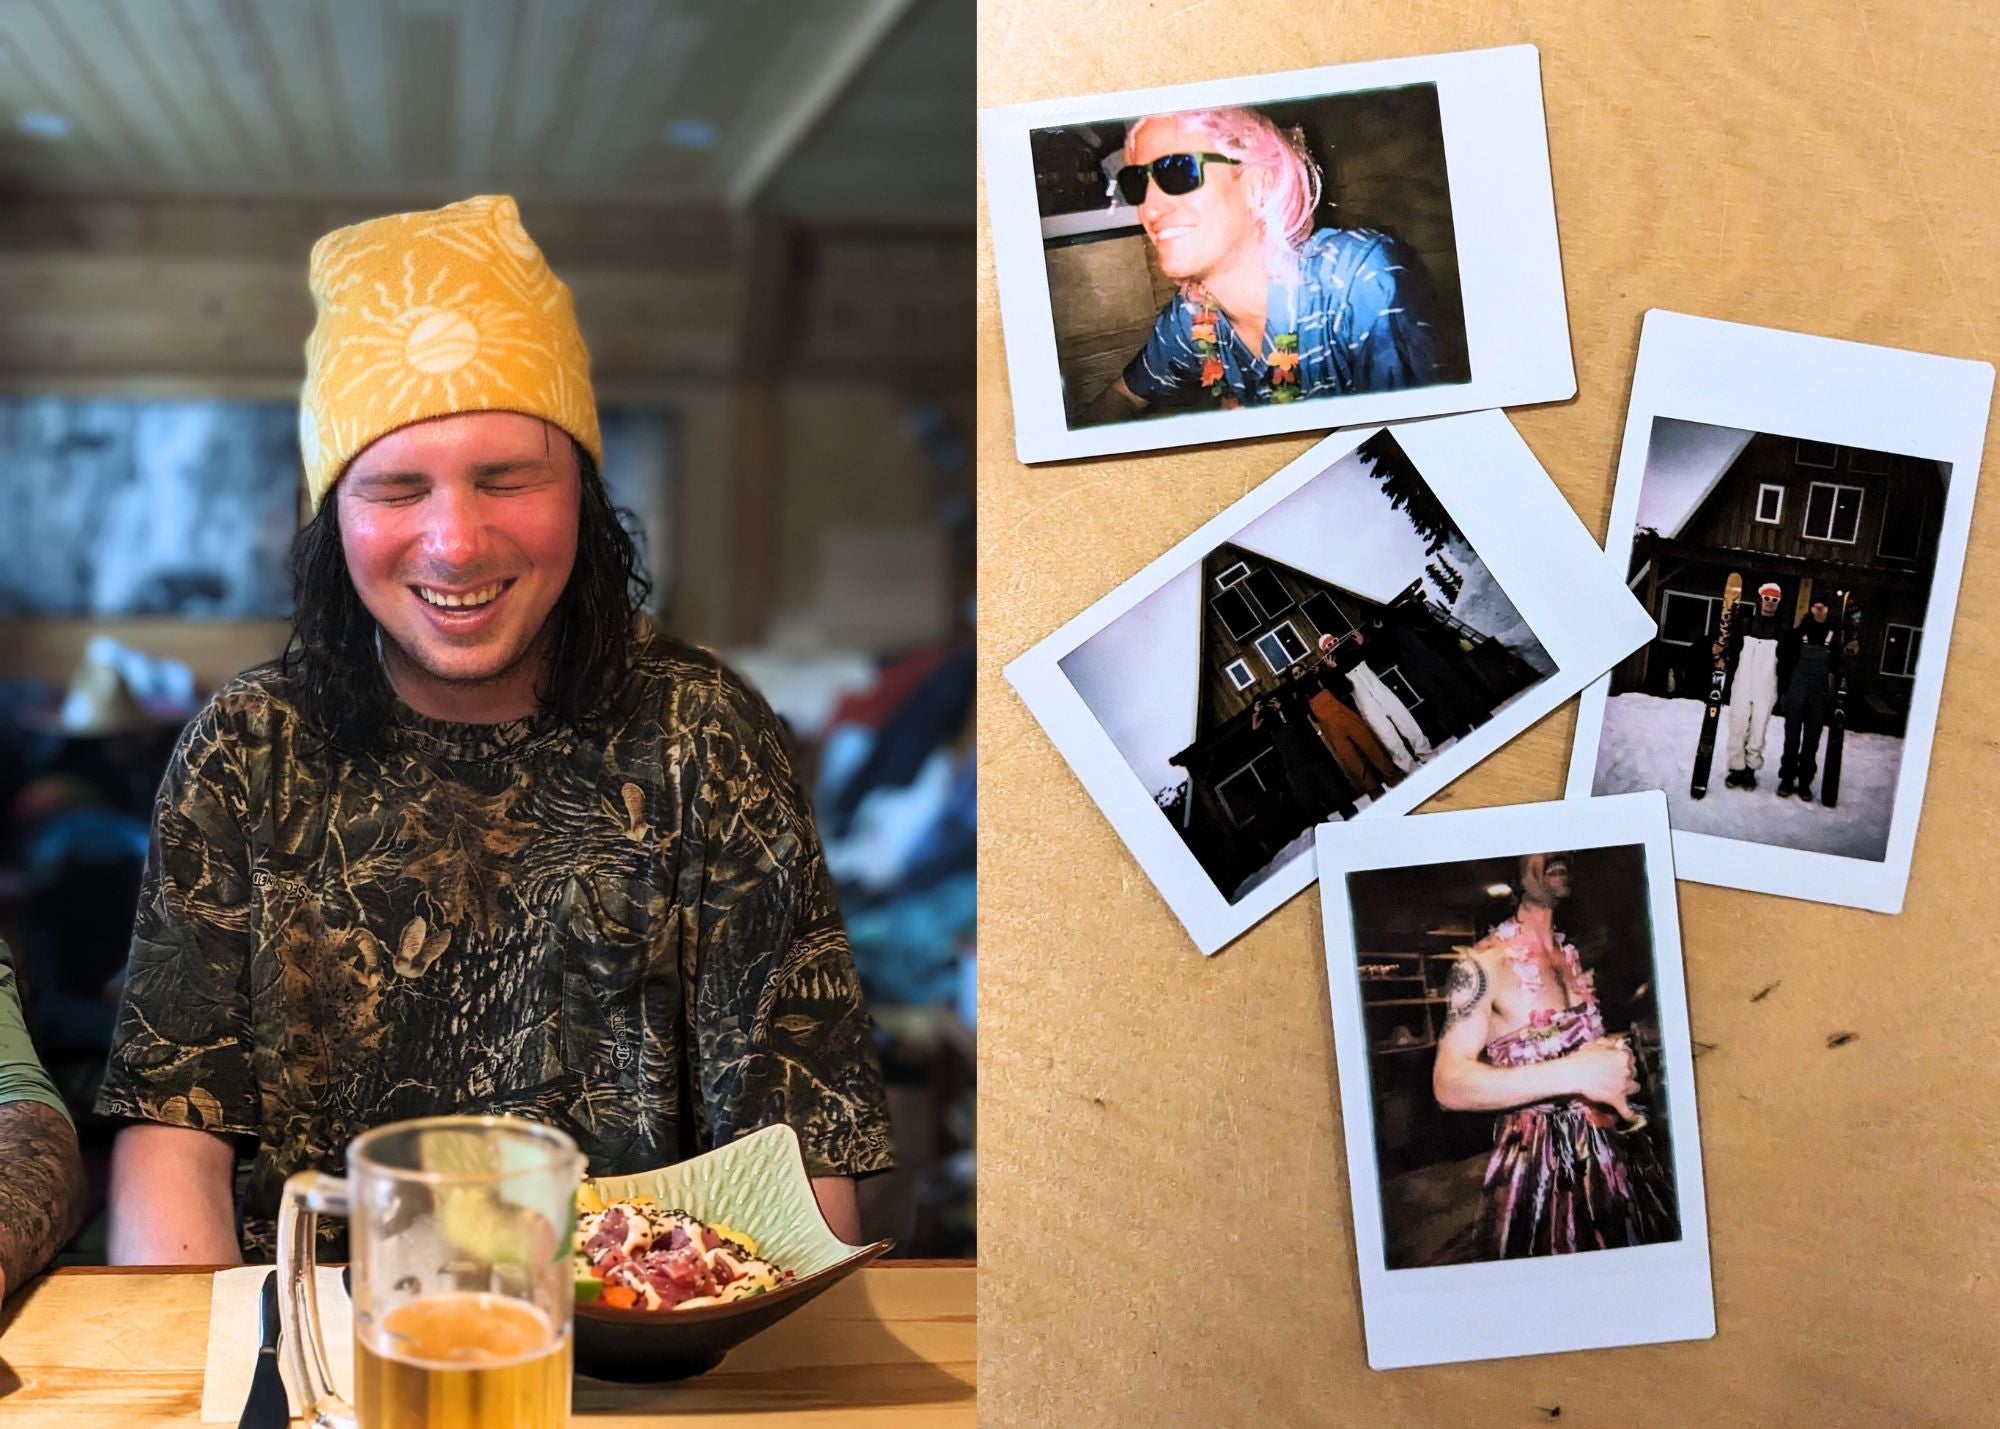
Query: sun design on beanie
x=425 y=315
x=419 y=338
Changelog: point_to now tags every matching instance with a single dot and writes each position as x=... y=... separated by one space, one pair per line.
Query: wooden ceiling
x=849 y=110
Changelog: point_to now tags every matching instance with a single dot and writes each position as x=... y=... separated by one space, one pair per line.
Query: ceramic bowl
x=758 y=1185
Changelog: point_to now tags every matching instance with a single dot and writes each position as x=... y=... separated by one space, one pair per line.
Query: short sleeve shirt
x=1355 y=318
x=630 y=935
x=22 y=1078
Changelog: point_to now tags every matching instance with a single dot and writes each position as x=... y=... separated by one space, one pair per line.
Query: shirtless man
x=1524 y=1038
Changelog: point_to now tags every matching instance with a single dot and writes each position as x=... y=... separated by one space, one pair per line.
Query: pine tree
x=1447 y=578
x=1408 y=492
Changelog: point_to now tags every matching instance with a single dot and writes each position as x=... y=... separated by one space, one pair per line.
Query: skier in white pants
x=1386 y=716
x=1753 y=651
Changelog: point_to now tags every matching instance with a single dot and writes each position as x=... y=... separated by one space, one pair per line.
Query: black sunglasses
x=1176 y=174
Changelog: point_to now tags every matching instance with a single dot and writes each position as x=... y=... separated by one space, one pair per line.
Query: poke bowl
x=758 y=1224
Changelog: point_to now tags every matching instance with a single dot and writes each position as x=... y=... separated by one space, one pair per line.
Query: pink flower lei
x=1528 y=968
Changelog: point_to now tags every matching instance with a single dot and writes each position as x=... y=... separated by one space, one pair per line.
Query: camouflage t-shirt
x=631 y=936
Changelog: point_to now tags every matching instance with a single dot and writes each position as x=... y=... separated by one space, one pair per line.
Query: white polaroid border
x=1520 y=526
x=1822 y=389
x=1496 y=1309
x=1503 y=215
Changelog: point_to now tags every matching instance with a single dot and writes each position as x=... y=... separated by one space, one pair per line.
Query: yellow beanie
x=426 y=315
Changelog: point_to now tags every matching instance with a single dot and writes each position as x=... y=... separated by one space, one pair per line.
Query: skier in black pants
x=1311 y=775
x=1809 y=660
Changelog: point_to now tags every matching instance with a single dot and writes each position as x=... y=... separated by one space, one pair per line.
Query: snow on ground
x=1648 y=743
x=1300 y=847
x=1484 y=606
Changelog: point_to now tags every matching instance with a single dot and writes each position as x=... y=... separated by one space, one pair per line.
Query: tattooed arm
x=41 y=1188
x=1461 y=1082
x=41 y=1175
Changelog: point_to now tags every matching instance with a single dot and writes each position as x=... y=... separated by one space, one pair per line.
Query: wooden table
x=1822 y=168
x=893 y=1345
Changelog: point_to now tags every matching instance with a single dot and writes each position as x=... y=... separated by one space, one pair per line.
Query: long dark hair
x=341 y=688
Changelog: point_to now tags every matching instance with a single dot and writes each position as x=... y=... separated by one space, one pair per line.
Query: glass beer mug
x=463 y=1290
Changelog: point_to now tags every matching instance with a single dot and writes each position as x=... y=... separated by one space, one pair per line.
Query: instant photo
x=1516 y=1078
x=1792 y=514
x=1316 y=249
x=1343 y=642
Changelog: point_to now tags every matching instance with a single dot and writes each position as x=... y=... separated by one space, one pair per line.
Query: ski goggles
x=1176 y=174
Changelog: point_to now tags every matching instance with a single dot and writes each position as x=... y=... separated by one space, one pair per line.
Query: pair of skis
x=1718 y=684
x=1836 y=726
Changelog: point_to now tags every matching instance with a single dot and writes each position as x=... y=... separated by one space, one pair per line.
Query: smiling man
x=1524 y=1038
x=1270 y=309
x=481 y=841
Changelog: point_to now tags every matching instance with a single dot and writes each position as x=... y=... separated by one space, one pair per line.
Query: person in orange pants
x=1354 y=746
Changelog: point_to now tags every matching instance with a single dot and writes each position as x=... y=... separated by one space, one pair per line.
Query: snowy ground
x=1648 y=743
x=1303 y=844
x=1484 y=606
x=1297 y=848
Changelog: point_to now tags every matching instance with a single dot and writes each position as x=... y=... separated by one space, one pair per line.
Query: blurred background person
x=766 y=216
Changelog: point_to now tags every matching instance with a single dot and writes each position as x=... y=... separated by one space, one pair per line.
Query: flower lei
x=1527 y=967
x=1283 y=360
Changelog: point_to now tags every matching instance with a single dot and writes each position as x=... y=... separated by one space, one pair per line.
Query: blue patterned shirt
x=1357 y=315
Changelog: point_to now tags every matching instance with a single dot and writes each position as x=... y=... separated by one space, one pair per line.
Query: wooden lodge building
x=1259 y=619
x=1817 y=519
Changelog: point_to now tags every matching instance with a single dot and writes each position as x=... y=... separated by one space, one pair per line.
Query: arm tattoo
x=41 y=1187
x=1463 y=990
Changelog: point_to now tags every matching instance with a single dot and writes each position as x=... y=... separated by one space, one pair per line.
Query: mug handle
x=308 y=1196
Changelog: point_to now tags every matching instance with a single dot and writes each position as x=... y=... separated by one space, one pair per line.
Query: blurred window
x=1243 y=793
x=1400 y=687
x=1281 y=648
x=1269 y=592
x=1833 y=512
x=1686 y=618
x=1899 y=650
x=1237 y=616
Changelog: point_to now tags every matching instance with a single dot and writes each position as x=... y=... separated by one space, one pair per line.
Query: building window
x=1281 y=648
x=1869 y=463
x=1686 y=619
x=1239 y=674
x=1245 y=792
x=1902 y=528
x=1770 y=503
x=1820 y=454
x=1249 y=598
x=1326 y=617
x=1833 y=513
x=1268 y=591
x=1238 y=616
x=1899 y=650
x=1400 y=687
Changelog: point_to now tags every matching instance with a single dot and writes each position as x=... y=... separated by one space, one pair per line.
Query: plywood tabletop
x=1173 y=1123
x=890 y=1346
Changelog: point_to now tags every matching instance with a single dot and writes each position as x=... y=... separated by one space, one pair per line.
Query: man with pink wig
x=1269 y=309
